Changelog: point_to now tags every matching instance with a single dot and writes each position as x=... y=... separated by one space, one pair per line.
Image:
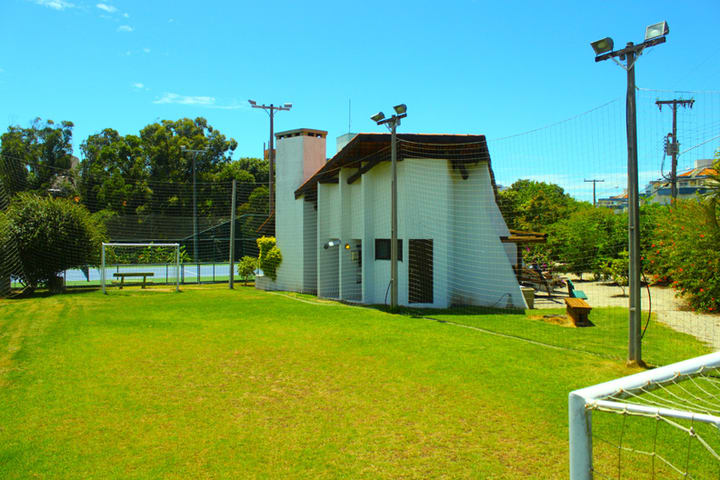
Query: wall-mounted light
x=347 y=246
x=331 y=244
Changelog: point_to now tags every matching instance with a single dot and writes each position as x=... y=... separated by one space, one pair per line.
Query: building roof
x=366 y=150
x=699 y=172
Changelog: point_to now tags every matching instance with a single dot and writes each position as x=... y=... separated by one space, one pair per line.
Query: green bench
x=122 y=276
x=572 y=293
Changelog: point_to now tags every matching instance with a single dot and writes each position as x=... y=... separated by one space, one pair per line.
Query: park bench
x=572 y=293
x=122 y=276
x=578 y=310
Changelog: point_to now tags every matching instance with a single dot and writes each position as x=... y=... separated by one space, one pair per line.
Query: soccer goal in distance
x=660 y=423
x=154 y=263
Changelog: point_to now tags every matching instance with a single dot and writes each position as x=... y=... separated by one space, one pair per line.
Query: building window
x=382 y=249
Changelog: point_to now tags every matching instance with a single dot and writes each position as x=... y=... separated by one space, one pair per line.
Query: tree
x=587 y=239
x=114 y=174
x=38 y=155
x=51 y=235
x=535 y=206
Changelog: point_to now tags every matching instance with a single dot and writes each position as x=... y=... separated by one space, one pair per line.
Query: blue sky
x=493 y=68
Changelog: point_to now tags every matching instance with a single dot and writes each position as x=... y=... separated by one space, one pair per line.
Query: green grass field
x=213 y=383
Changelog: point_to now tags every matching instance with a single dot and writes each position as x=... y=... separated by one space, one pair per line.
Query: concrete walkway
x=669 y=309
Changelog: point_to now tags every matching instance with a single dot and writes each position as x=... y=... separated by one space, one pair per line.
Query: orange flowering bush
x=685 y=254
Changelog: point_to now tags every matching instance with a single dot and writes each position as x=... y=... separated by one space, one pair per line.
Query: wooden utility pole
x=271 y=109
x=594 y=182
x=672 y=148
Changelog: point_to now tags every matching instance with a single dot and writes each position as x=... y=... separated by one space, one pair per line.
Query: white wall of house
x=471 y=266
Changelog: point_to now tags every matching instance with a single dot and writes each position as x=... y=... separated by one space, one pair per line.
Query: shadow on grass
x=45 y=293
x=458 y=310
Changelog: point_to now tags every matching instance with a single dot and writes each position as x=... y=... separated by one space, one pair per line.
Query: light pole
x=392 y=123
x=271 y=109
x=654 y=35
x=195 y=225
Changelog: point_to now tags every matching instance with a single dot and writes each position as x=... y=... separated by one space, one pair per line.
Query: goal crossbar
x=176 y=246
x=582 y=402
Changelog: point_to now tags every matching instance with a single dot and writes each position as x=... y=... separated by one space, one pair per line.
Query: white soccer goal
x=666 y=422
x=159 y=262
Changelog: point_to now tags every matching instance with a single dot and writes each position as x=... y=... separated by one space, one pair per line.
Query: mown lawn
x=213 y=383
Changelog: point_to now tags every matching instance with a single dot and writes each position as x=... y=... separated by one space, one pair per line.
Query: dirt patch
x=560 y=320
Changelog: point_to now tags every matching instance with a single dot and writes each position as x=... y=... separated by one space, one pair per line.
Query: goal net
x=661 y=423
x=149 y=263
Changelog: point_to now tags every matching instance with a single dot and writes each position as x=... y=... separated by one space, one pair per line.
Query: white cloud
x=126 y=15
x=186 y=100
x=125 y=28
x=138 y=85
x=107 y=8
x=200 y=101
x=55 y=4
x=146 y=50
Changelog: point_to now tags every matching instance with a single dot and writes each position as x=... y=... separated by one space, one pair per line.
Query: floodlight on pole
x=377 y=117
x=654 y=35
x=271 y=109
x=392 y=123
x=603 y=45
x=656 y=30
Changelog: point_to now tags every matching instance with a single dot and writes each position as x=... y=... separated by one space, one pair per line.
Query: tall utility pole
x=594 y=182
x=195 y=224
x=673 y=148
x=271 y=109
x=654 y=35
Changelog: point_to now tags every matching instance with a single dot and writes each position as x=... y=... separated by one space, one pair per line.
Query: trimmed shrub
x=270 y=257
x=51 y=235
x=247 y=267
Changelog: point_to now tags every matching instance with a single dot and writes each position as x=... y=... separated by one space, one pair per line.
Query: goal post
x=175 y=260
x=625 y=396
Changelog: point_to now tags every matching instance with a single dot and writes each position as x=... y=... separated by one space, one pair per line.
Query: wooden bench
x=122 y=276
x=572 y=293
x=578 y=310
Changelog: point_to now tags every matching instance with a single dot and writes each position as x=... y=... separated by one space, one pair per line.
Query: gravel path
x=669 y=309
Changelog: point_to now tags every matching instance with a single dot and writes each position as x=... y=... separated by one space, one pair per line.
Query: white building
x=333 y=221
x=690 y=183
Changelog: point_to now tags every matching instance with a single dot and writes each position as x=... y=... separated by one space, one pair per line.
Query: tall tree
x=535 y=206
x=39 y=156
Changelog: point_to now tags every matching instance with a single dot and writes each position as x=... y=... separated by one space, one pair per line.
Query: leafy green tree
x=114 y=174
x=35 y=157
x=587 y=239
x=51 y=235
x=535 y=206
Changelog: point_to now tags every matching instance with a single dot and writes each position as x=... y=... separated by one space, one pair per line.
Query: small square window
x=382 y=249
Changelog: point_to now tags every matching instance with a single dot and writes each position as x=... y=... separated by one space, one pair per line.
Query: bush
x=247 y=267
x=51 y=235
x=685 y=253
x=270 y=257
